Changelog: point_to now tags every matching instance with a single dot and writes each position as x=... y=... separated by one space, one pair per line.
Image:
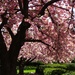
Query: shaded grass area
x=56 y=69
x=51 y=69
x=69 y=73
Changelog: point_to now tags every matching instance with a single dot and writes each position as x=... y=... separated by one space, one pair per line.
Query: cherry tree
x=10 y=18
x=41 y=28
x=52 y=25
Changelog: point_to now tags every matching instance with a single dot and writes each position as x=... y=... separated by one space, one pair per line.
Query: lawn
x=51 y=69
x=27 y=71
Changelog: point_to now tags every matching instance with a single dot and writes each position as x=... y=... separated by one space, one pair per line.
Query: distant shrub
x=29 y=67
x=63 y=66
x=73 y=61
x=49 y=69
x=40 y=62
x=71 y=67
x=69 y=73
x=54 y=71
x=39 y=70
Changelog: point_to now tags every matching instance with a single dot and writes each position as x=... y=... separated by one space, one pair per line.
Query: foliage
x=43 y=69
x=51 y=69
x=39 y=62
x=69 y=73
x=73 y=61
x=51 y=34
x=27 y=71
x=44 y=29
x=64 y=66
x=71 y=67
x=29 y=67
x=54 y=71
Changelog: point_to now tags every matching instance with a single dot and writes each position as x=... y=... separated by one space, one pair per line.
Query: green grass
x=17 y=71
x=69 y=73
x=49 y=69
x=27 y=71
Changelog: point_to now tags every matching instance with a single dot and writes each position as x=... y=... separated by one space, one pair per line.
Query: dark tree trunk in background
x=21 y=70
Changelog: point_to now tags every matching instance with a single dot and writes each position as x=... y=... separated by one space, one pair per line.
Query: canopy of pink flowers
x=55 y=28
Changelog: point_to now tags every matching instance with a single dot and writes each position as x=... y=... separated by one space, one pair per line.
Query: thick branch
x=33 y=40
x=37 y=41
x=46 y=5
x=25 y=8
x=17 y=41
x=3 y=48
x=10 y=32
x=4 y=20
x=22 y=29
x=20 y=5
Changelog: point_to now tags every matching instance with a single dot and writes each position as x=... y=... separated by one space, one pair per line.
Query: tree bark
x=7 y=69
x=21 y=68
x=9 y=58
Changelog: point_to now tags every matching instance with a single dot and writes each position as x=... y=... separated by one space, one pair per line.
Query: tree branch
x=18 y=40
x=51 y=17
x=33 y=40
x=3 y=48
x=46 y=5
x=10 y=32
x=61 y=8
x=4 y=19
x=22 y=29
x=20 y=5
x=25 y=8
x=72 y=12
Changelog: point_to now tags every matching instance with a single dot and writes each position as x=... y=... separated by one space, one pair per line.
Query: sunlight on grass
x=17 y=71
x=27 y=71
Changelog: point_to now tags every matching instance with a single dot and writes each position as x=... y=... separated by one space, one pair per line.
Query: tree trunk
x=21 y=68
x=8 y=70
x=13 y=71
x=5 y=70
